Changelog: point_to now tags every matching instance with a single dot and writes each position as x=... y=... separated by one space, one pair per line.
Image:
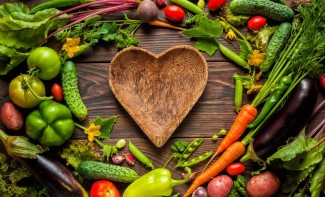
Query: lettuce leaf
x=21 y=31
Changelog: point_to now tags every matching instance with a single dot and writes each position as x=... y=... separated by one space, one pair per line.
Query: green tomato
x=20 y=93
x=46 y=60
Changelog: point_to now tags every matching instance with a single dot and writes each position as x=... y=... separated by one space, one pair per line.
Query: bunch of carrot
x=231 y=148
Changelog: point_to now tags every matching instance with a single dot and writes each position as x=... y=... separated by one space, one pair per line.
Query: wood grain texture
x=213 y=111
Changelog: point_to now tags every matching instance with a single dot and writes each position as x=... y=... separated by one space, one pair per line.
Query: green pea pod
x=197 y=160
x=234 y=57
x=140 y=156
x=188 y=151
x=239 y=89
x=272 y=100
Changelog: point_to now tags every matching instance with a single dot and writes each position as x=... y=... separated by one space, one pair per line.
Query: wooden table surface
x=213 y=111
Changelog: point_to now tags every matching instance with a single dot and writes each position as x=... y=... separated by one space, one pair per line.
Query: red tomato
x=57 y=92
x=256 y=23
x=321 y=80
x=235 y=168
x=214 y=5
x=104 y=188
x=174 y=13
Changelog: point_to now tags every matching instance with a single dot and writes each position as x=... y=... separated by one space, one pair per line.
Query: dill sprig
x=91 y=31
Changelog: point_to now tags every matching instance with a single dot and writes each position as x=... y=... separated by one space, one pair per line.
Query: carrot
x=232 y=153
x=246 y=115
x=161 y=23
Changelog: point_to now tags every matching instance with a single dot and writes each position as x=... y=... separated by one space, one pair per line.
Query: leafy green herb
x=261 y=38
x=15 y=180
x=239 y=187
x=206 y=32
x=94 y=29
x=106 y=125
x=78 y=151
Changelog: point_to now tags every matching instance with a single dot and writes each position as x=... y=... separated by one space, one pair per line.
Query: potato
x=264 y=184
x=11 y=117
x=219 y=186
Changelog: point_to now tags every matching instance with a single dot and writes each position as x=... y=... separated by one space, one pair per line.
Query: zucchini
x=69 y=79
x=99 y=170
x=275 y=46
x=267 y=8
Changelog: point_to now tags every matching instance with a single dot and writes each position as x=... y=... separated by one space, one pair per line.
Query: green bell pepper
x=155 y=183
x=51 y=124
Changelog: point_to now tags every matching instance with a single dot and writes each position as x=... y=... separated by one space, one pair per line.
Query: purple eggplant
x=57 y=178
x=289 y=121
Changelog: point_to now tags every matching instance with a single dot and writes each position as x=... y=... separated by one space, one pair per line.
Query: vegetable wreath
x=285 y=45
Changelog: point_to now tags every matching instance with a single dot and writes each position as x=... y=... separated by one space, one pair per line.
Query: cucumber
x=267 y=8
x=69 y=79
x=99 y=170
x=275 y=46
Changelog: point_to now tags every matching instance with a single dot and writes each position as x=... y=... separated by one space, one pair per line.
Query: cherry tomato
x=174 y=13
x=46 y=60
x=235 y=168
x=104 y=188
x=21 y=91
x=256 y=23
x=321 y=80
x=214 y=5
x=57 y=92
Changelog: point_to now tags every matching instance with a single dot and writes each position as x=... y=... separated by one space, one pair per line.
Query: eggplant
x=289 y=121
x=57 y=178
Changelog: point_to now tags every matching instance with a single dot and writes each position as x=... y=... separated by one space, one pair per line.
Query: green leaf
x=294 y=178
x=8 y=8
x=206 y=29
x=244 y=50
x=206 y=33
x=10 y=58
x=106 y=125
x=111 y=32
x=317 y=184
x=18 y=29
x=207 y=45
x=308 y=158
x=291 y=150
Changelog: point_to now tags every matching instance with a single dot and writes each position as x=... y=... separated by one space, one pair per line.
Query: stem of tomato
x=25 y=84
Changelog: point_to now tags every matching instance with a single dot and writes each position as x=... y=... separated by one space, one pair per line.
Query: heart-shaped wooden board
x=158 y=91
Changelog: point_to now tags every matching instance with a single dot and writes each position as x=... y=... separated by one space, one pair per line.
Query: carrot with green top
x=246 y=115
x=233 y=152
